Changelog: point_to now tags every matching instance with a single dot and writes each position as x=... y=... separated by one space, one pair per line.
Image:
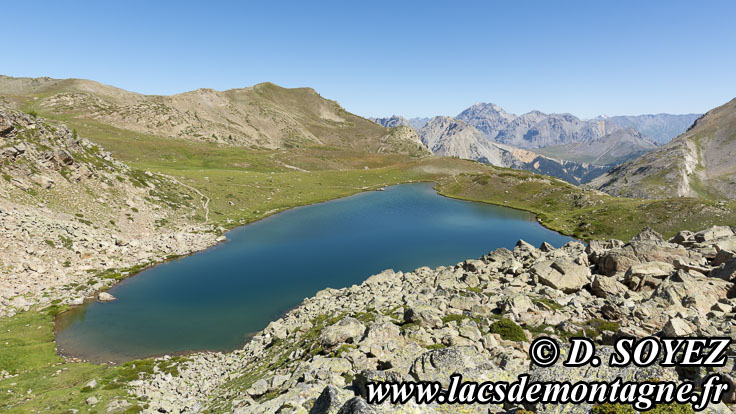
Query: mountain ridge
x=451 y=137
x=264 y=115
x=698 y=163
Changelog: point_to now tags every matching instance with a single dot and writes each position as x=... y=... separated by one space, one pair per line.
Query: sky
x=409 y=58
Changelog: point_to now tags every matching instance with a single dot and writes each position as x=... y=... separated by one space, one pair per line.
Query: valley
x=96 y=196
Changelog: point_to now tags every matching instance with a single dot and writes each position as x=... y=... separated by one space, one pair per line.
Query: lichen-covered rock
x=347 y=330
x=713 y=233
x=562 y=274
x=423 y=315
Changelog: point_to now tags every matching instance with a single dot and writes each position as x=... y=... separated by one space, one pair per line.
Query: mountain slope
x=73 y=207
x=534 y=129
x=454 y=138
x=619 y=146
x=392 y=122
x=698 y=163
x=262 y=116
x=660 y=127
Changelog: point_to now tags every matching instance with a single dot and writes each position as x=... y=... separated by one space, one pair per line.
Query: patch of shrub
x=508 y=330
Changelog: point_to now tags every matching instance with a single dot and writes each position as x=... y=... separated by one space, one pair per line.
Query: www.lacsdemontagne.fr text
x=642 y=395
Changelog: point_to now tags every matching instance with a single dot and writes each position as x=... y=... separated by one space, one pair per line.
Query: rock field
x=477 y=319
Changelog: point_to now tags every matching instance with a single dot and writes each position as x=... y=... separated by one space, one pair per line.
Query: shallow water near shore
x=215 y=299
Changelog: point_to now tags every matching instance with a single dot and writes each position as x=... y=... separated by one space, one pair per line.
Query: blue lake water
x=215 y=299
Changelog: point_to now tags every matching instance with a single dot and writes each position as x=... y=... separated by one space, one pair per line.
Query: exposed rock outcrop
x=81 y=217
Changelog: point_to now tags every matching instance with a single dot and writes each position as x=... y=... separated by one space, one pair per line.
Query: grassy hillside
x=699 y=163
x=586 y=214
x=264 y=116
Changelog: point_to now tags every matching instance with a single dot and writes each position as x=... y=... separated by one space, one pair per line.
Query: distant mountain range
x=699 y=163
x=455 y=138
x=661 y=127
x=619 y=146
x=534 y=129
x=396 y=120
x=571 y=148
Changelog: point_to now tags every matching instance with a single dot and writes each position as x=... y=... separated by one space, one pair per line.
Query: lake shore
x=401 y=228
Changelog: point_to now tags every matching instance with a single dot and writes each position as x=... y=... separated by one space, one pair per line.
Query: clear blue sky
x=411 y=58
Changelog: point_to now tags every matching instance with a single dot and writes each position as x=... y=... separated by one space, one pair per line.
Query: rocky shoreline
x=74 y=221
x=476 y=318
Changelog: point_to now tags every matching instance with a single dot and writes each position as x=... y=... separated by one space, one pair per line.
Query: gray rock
x=604 y=286
x=725 y=271
x=715 y=232
x=516 y=304
x=6 y=126
x=356 y=405
x=258 y=388
x=105 y=297
x=677 y=327
x=366 y=376
x=722 y=256
x=328 y=402
x=562 y=274
x=684 y=290
x=438 y=365
x=648 y=234
x=423 y=315
x=546 y=247
x=683 y=237
x=347 y=330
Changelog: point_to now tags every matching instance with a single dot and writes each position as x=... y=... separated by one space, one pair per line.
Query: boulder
x=356 y=405
x=615 y=261
x=648 y=234
x=64 y=157
x=258 y=388
x=546 y=247
x=43 y=181
x=105 y=297
x=647 y=251
x=722 y=256
x=683 y=237
x=715 y=232
x=423 y=315
x=562 y=274
x=685 y=290
x=347 y=330
x=604 y=286
x=438 y=365
x=364 y=377
x=659 y=270
x=725 y=271
x=328 y=402
x=6 y=126
x=677 y=327
x=516 y=304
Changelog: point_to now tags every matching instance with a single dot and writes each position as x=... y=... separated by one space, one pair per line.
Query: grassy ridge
x=586 y=214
